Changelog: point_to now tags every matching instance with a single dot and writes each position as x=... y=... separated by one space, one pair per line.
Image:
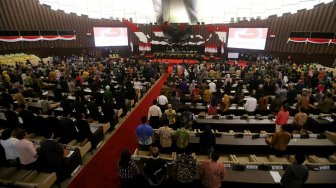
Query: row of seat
x=13 y=177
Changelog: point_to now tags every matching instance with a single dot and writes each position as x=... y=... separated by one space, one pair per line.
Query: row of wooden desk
x=237 y=124
x=248 y=173
x=230 y=143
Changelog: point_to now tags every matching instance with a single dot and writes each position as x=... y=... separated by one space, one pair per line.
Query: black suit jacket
x=50 y=156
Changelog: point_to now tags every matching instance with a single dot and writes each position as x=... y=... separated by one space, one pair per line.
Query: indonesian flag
x=141 y=47
x=50 y=37
x=67 y=37
x=206 y=49
x=31 y=38
x=214 y=48
x=10 y=38
x=148 y=47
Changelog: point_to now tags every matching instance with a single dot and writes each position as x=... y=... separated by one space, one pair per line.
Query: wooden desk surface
x=264 y=177
x=248 y=141
x=251 y=120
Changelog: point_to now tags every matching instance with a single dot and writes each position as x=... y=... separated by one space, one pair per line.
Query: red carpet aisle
x=102 y=170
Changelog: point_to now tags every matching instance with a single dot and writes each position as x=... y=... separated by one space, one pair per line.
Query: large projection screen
x=110 y=36
x=247 y=38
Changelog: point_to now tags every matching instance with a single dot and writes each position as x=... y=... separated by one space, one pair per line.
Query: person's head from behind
x=284 y=127
x=79 y=115
x=300 y=158
x=155 y=152
x=165 y=122
x=214 y=156
x=302 y=110
x=143 y=119
x=329 y=95
x=304 y=93
x=214 y=101
x=20 y=134
x=125 y=157
x=207 y=128
x=170 y=107
x=154 y=102
x=48 y=134
x=6 y=134
x=285 y=107
x=183 y=125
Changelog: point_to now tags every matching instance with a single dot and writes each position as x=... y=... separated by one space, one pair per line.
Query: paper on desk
x=70 y=153
x=276 y=176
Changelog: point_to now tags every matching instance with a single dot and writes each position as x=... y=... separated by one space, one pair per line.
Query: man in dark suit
x=67 y=106
x=12 y=118
x=108 y=111
x=51 y=157
x=155 y=169
x=84 y=131
x=69 y=130
x=27 y=118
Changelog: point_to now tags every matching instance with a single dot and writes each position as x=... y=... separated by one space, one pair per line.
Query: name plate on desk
x=296 y=135
x=227 y=165
x=313 y=135
x=324 y=167
x=277 y=167
x=69 y=154
x=136 y=158
x=252 y=167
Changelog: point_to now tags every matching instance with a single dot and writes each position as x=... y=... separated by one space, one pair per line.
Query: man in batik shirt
x=185 y=166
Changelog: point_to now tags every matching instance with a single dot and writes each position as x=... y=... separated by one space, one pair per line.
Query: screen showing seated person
x=110 y=36
x=247 y=38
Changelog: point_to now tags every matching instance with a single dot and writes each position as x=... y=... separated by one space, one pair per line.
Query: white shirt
x=251 y=104
x=162 y=100
x=212 y=87
x=137 y=85
x=154 y=111
x=9 y=146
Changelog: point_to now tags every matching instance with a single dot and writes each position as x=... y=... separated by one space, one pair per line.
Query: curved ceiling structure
x=182 y=11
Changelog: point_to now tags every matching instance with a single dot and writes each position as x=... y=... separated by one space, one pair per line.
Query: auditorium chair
x=139 y=154
x=83 y=149
x=312 y=159
x=267 y=160
x=8 y=175
x=226 y=159
x=37 y=180
x=331 y=136
x=246 y=160
x=280 y=160
x=140 y=158
x=106 y=126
